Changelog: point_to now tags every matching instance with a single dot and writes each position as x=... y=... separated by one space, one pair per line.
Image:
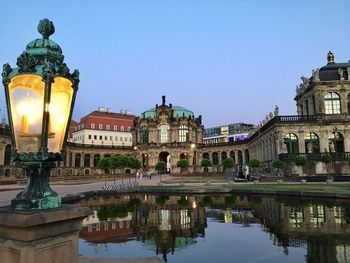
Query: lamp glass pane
x=26 y=94
x=59 y=109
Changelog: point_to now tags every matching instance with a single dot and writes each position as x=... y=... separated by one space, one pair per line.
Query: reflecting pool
x=217 y=228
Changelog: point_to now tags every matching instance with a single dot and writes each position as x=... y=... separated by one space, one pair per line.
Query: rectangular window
x=95 y=137
x=116 y=138
x=111 y=138
x=100 y=126
x=125 y=139
x=89 y=137
x=121 y=139
x=108 y=127
x=115 y=127
x=129 y=129
x=82 y=126
x=106 y=138
x=100 y=137
x=92 y=125
x=122 y=128
x=130 y=139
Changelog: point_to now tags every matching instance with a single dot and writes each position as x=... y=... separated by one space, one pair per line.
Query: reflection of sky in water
x=222 y=243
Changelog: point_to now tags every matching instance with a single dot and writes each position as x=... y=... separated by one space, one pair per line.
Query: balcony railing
x=337 y=156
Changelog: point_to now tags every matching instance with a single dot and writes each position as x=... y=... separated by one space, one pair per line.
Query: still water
x=217 y=228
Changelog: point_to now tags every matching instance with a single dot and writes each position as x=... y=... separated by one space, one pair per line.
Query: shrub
x=205 y=163
x=228 y=163
x=278 y=164
x=254 y=163
x=160 y=166
x=300 y=160
x=326 y=158
x=183 y=164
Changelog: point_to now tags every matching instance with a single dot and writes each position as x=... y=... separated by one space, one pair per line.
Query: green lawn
x=338 y=188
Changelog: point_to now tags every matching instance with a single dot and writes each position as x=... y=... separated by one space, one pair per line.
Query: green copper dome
x=178 y=112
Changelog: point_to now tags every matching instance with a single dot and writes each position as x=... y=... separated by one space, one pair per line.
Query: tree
x=228 y=163
x=183 y=164
x=119 y=162
x=134 y=164
x=105 y=164
x=205 y=163
x=300 y=160
x=160 y=166
x=254 y=163
x=326 y=158
x=277 y=164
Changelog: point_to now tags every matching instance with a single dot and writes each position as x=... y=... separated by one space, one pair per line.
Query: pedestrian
x=137 y=176
x=141 y=174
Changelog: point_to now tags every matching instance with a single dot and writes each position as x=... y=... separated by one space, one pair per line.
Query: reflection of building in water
x=165 y=226
x=244 y=216
x=102 y=231
x=322 y=229
x=169 y=226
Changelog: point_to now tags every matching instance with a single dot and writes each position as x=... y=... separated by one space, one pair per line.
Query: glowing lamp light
x=40 y=95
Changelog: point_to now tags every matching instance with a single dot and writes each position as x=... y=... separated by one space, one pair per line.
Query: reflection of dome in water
x=180 y=243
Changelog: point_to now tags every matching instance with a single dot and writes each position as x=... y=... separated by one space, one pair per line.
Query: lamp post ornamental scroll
x=40 y=95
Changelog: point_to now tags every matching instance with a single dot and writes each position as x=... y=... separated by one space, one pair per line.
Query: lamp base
x=37 y=194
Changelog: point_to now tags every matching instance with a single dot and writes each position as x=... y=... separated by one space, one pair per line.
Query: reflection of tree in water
x=169 y=223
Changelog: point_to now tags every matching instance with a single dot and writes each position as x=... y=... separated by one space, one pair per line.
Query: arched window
x=183 y=133
x=336 y=142
x=87 y=160
x=144 y=135
x=291 y=143
x=77 y=160
x=332 y=103
x=206 y=156
x=163 y=133
x=312 y=143
x=96 y=160
x=215 y=158
x=7 y=160
x=184 y=156
x=349 y=102
x=223 y=156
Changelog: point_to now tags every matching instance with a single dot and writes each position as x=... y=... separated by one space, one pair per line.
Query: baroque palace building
x=169 y=133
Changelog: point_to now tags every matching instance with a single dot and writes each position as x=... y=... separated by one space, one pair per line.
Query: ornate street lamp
x=40 y=95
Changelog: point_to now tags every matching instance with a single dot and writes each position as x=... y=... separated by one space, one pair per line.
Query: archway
x=184 y=156
x=165 y=157
x=7 y=160
x=144 y=160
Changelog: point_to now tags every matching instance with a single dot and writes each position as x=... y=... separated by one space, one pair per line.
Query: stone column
x=323 y=137
x=346 y=140
x=344 y=101
x=92 y=160
x=2 y=153
x=41 y=236
x=301 y=141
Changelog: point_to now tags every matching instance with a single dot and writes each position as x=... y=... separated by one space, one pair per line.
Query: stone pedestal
x=41 y=236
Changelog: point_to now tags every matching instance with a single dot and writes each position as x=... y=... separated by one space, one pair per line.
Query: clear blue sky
x=230 y=61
